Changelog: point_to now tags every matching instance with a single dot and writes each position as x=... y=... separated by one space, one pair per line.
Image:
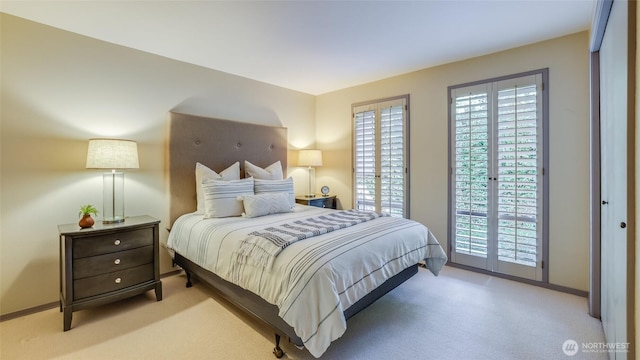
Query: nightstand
x=108 y=262
x=322 y=201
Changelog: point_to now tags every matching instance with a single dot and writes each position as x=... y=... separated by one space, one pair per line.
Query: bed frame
x=218 y=144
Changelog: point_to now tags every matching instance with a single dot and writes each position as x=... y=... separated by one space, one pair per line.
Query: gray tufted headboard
x=216 y=144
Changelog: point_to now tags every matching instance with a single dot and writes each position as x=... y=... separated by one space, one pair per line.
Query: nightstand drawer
x=322 y=201
x=98 y=285
x=329 y=203
x=102 y=264
x=104 y=244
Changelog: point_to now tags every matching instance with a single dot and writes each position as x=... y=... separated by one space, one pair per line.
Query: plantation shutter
x=518 y=164
x=497 y=183
x=392 y=165
x=380 y=156
x=471 y=170
x=365 y=159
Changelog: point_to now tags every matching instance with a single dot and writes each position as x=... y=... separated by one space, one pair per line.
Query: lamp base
x=309 y=195
x=113 y=198
x=113 y=220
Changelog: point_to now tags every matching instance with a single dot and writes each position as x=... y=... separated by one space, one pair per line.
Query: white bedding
x=314 y=280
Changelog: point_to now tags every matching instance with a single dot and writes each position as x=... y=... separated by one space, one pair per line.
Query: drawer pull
x=118 y=280
x=117 y=242
x=116 y=261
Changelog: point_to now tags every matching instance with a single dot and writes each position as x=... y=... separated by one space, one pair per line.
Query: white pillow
x=221 y=197
x=271 y=172
x=276 y=186
x=203 y=172
x=265 y=204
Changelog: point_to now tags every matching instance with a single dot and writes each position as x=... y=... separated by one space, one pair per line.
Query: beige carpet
x=458 y=315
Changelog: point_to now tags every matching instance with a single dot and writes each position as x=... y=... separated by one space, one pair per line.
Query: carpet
x=176 y=337
x=457 y=315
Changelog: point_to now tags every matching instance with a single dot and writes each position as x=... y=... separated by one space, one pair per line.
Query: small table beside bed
x=303 y=270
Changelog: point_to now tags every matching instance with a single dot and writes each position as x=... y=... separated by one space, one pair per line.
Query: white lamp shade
x=112 y=154
x=310 y=158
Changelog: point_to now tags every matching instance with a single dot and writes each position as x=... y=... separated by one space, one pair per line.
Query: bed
x=309 y=288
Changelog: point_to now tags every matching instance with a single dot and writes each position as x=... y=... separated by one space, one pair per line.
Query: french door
x=497 y=175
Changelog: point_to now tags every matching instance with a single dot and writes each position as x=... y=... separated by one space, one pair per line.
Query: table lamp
x=112 y=154
x=311 y=159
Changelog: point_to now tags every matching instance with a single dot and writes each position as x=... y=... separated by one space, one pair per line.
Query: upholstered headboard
x=216 y=144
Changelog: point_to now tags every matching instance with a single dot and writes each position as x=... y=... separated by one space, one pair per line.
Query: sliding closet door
x=613 y=155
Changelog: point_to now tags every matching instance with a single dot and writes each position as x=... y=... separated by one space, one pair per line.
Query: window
x=380 y=156
x=497 y=196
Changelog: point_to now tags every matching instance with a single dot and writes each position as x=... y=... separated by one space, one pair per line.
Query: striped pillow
x=221 y=197
x=276 y=186
x=265 y=204
x=203 y=172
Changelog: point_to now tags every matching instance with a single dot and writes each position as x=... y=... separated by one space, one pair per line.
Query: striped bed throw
x=261 y=247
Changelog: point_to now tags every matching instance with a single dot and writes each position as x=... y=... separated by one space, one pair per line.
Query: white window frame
x=376 y=106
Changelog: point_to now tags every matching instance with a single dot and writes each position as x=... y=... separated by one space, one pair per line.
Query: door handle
x=623 y=224
x=604 y=202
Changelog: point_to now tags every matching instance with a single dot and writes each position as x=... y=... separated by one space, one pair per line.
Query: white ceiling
x=314 y=46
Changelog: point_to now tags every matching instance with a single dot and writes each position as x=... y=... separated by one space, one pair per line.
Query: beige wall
x=567 y=60
x=58 y=90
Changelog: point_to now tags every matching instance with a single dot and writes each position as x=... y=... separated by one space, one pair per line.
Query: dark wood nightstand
x=322 y=201
x=108 y=262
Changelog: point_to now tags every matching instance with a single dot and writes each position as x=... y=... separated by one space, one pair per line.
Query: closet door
x=613 y=160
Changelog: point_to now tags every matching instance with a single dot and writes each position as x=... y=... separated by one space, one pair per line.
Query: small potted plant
x=85 y=215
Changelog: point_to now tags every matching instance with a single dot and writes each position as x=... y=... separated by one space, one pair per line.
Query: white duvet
x=314 y=280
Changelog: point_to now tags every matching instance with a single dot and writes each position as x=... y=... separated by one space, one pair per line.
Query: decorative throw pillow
x=271 y=172
x=203 y=172
x=221 y=197
x=265 y=204
x=276 y=186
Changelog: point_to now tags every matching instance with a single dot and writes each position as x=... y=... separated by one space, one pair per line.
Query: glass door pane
x=392 y=160
x=519 y=180
x=517 y=175
x=471 y=174
x=471 y=177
